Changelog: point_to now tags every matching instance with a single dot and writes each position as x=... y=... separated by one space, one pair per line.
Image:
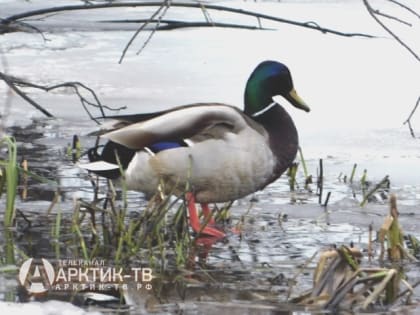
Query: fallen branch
x=14 y=82
x=309 y=25
x=18 y=26
x=22 y=94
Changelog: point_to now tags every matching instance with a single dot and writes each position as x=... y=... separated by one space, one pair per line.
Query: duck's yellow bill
x=297 y=101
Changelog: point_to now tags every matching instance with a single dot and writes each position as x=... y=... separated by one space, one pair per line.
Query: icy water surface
x=251 y=274
x=360 y=92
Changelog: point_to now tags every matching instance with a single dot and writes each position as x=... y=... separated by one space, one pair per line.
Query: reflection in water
x=45 y=151
x=9 y=247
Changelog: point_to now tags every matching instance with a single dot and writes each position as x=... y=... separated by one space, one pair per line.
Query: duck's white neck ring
x=264 y=110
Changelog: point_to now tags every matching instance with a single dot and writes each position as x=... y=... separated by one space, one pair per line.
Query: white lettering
x=61 y=275
x=95 y=272
x=83 y=275
x=105 y=275
x=146 y=275
x=117 y=275
x=136 y=273
x=72 y=273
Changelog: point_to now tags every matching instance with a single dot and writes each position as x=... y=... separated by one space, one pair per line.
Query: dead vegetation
x=341 y=281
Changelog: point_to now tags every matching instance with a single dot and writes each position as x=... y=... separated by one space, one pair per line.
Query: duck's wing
x=114 y=122
x=184 y=122
x=135 y=118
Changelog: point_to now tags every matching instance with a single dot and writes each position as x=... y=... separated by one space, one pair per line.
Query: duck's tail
x=107 y=163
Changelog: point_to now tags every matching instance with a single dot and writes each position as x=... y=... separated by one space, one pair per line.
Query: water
x=360 y=91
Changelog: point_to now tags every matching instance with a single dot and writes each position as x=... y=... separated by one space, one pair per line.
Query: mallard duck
x=223 y=153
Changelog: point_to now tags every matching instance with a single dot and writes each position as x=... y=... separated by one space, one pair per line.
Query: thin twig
x=373 y=15
x=153 y=32
x=206 y=13
x=19 y=26
x=136 y=33
x=408 y=120
x=391 y=17
x=405 y=7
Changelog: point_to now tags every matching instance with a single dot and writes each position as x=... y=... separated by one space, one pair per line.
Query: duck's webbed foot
x=207 y=229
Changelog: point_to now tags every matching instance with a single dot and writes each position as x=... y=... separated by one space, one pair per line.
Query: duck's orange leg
x=195 y=221
x=208 y=216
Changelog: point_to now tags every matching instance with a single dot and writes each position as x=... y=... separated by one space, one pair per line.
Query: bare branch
x=405 y=7
x=206 y=13
x=140 y=29
x=373 y=15
x=14 y=82
x=165 y=24
x=22 y=94
x=18 y=26
x=177 y=4
x=408 y=120
x=391 y=17
x=149 y=38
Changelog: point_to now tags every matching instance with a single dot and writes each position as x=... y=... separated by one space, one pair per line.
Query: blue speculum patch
x=164 y=145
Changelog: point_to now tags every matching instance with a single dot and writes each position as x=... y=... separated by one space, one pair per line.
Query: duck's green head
x=270 y=78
